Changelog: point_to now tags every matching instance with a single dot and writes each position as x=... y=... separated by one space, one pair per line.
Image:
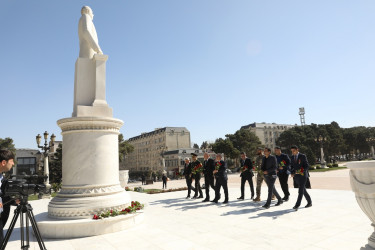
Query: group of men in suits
x=267 y=167
x=215 y=177
x=270 y=167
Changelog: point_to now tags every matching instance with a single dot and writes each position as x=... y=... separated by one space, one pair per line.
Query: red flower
x=111 y=211
x=138 y=208
x=95 y=217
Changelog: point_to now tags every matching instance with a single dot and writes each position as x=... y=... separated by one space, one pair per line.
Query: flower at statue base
x=135 y=206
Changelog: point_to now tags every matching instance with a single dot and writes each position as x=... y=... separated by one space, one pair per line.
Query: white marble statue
x=88 y=39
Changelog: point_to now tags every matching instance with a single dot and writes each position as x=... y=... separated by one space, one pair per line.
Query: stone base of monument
x=67 y=229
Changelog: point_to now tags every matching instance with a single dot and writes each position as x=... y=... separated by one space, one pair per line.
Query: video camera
x=20 y=186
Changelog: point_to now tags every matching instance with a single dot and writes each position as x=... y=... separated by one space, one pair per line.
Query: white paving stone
x=335 y=221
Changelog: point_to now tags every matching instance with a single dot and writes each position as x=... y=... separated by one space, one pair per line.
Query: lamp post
x=46 y=149
x=320 y=139
x=371 y=142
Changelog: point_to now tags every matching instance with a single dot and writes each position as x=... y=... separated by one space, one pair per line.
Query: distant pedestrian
x=164 y=178
x=143 y=179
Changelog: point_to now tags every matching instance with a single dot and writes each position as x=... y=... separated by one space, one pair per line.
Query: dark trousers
x=283 y=178
x=270 y=181
x=189 y=180
x=208 y=182
x=164 y=184
x=248 y=178
x=198 y=188
x=220 y=182
x=301 y=182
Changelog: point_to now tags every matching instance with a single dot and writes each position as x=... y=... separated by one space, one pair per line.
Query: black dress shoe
x=194 y=197
x=295 y=208
x=266 y=206
x=225 y=202
x=200 y=197
x=308 y=205
x=252 y=197
x=205 y=200
x=214 y=201
x=240 y=198
x=279 y=203
x=286 y=198
x=188 y=197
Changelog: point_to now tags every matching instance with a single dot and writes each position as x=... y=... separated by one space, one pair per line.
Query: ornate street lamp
x=46 y=148
x=320 y=139
x=371 y=142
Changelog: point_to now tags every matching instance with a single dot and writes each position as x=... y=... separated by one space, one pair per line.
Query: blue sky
x=211 y=66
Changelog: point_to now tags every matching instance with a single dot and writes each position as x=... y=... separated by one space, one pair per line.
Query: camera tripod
x=25 y=212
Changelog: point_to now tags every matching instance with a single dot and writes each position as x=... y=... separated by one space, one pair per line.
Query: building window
x=26 y=165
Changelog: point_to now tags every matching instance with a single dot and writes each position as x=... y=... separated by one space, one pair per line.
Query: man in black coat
x=220 y=173
x=6 y=163
x=246 y=175
x=188 y=176
x=269 y=168
x=208 y=169
x=164 y=178
x=299 y=169
x=196 y=175
x=283 y=171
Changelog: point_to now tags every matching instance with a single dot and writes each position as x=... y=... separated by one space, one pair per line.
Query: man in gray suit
x=269 y=168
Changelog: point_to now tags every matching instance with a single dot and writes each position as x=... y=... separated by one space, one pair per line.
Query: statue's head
x=87 y=10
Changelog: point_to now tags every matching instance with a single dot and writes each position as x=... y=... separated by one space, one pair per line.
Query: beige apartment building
x=149 y=148
x=268 y=133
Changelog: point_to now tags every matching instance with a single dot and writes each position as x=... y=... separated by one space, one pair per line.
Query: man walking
x=246 y=175
x=208 y=168
x=258 y=169
x=283 y=163
x=299 y=169
x=164 y=178
x=221 y=179
x=196 y=168
x=269 y=168
x=188 y=177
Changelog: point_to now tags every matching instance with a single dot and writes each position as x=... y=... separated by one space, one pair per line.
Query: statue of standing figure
x=88 y=39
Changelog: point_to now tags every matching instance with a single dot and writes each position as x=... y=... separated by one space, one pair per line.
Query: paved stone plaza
x=171 y=222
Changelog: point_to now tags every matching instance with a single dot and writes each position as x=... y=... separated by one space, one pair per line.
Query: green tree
x=124 y=147
x=195 y=146
x=7 y=143
x=204 y=145
x=244 y=140
x=56 y=166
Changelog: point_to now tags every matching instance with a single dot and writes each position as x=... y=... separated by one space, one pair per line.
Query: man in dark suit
x=6 y=163
x=208 y=169
x=188 y=176
x=299 y=169
x=246 y=175
x=196 y=175
x=269 y=168
x=221 y=178
x=283 y=172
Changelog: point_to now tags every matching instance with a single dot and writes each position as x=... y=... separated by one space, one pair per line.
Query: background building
x=28 y=161
x=268 y=133
x=175 y=159
x=150 y=147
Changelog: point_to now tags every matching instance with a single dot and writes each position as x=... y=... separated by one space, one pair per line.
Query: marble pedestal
x=90 y=169
x=362 y=180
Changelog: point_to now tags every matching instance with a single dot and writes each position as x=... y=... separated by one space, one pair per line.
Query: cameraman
x=6 y=164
